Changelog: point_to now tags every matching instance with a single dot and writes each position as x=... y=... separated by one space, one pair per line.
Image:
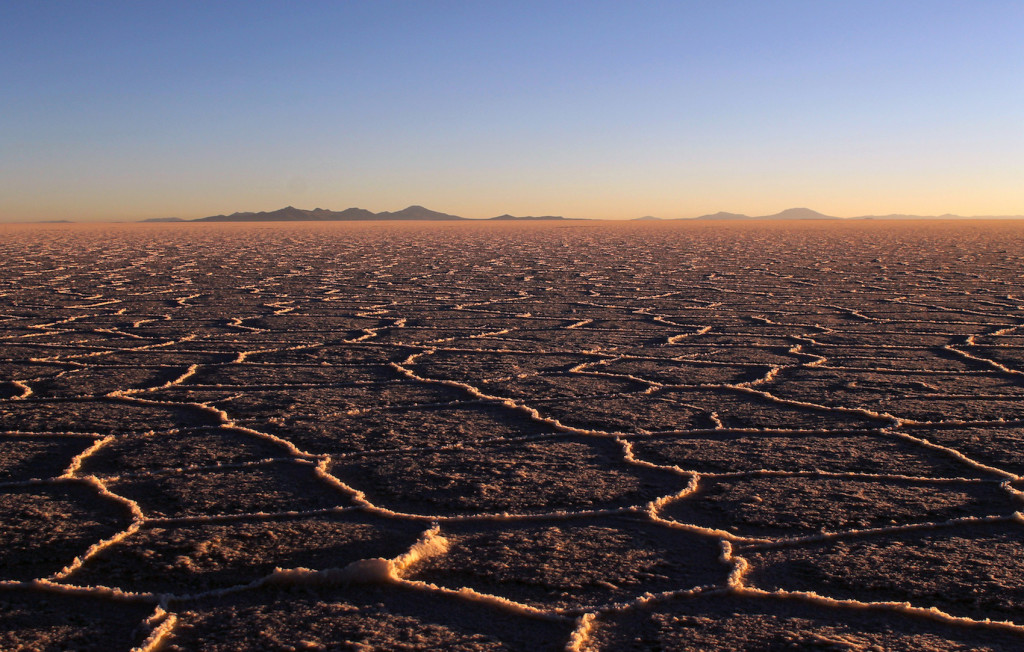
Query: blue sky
x=123 y=110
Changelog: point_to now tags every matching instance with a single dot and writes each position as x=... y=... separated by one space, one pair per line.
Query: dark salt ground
x=512 y=437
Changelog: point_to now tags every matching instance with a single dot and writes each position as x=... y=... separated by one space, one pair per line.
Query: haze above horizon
x=119 y=110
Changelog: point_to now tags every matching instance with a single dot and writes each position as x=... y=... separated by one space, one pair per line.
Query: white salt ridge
x=282 y=307
x=651 y=511
x=953 y=453
x=580 y=635
x=236 y=322
x=109 y=350
x=786 y=542
x=472 y=595
x=861 y=412
x=507 y=402
x=579 y=324
x=242 y=355
x=962 y=311
x=183 y=301
x=969 y=423
x=138 y=518
x=740 y=567
x=76 y=461
x=992 y=363
x=26 y=391
x=840 y=475
x=929 y=613
x=262 y=387
x=295 y=451
x=188 y=373
x=856 y=313
x=113 y=594
x=119 y=333
x=160 y=626
x=167 y=471
x=206 y=519
x=582 y=369
x=476 y=336
x=364 y=571
x=455 y=446
x=51 y=434
x=129 y=397
x=900 y=371
x=360 y=499
x=95 y=305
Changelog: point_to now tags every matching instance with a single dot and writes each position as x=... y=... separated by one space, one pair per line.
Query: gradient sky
x=129 y=110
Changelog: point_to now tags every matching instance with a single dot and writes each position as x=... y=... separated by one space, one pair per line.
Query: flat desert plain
x=481 y=436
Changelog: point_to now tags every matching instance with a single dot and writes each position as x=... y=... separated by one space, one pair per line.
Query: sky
x=595 y=109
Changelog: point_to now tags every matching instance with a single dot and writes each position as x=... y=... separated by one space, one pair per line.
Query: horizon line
x=418 y=213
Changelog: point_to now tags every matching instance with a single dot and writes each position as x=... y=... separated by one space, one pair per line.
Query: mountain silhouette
x=421 y=214
x=417 y=213
x=292 y=214
x=722 y=215
x=788 y=214
x=798 y=214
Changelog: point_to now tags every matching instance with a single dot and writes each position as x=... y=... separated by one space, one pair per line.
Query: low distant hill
x=292 y=214
x=164 y=219
x=416 y=213
x=798 y=214
x=647 y=218
x=788 y=214
x=721 y=215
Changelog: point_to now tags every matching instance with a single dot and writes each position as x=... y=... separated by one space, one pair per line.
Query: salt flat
x=586 y=436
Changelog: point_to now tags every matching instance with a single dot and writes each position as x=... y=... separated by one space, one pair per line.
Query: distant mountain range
x=788 y=214
x=292 y=214
x=421 y=214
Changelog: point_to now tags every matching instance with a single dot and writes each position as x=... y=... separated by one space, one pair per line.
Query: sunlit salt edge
x=204 y=519
x=373 y=570
x=818 y=407
x=161 y=625
x=26 y=391
x=630 y=457
x=224 y=421
x=76 y=461
x=992 y=363
x=500 y=400
x=931 y=613
x=53 y=434
x=138 y=518
x=109 y=351
x=199 y=468
x=359 y=498
x=581 y=633
x=784 y=542
x=955 y=454
x=741 y=567
x=454 y=447
x=843 y=475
